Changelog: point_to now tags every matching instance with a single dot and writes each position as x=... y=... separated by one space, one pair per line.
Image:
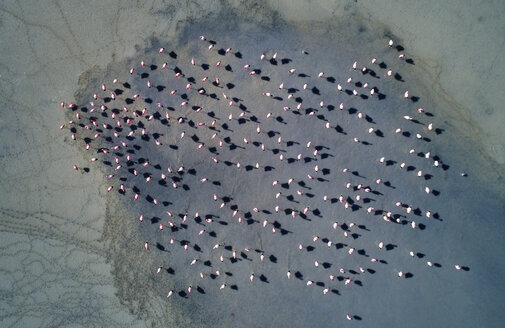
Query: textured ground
x=53 y=219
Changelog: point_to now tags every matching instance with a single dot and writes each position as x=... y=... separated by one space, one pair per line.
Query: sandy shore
x=62 y=228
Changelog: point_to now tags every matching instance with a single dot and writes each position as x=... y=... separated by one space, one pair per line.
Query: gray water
x=69 y=256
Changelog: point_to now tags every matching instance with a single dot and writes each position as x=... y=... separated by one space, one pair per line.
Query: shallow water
x=60 y=227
